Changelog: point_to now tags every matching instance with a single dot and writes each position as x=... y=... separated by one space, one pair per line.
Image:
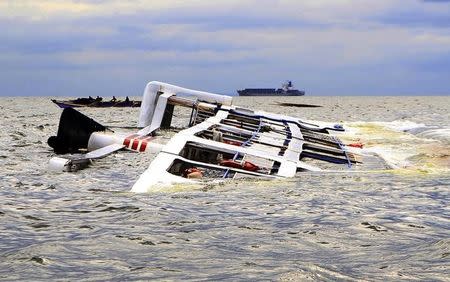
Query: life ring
x=241 y=165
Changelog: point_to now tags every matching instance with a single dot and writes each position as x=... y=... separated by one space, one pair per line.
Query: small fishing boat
x=221 y=141
x=96 y=103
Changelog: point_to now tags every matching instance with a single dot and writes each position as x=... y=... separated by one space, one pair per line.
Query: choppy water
x=383 y=225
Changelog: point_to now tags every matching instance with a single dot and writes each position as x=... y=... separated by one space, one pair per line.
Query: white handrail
x=155 y=88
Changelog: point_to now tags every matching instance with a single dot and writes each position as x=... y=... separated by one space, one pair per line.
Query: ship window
x=227 y=135
x=201 y=153
x=243 y=111
x=182 y=168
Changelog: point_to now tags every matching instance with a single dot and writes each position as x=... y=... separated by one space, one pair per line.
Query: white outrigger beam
x=221 y=141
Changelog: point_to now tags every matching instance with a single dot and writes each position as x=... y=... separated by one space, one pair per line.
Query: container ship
x=287 y=89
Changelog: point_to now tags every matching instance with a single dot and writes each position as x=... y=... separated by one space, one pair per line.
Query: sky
x=326 y=47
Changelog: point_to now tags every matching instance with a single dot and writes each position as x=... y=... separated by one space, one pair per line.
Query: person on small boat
x=113 y=99
x=127 y=99
x=98 y=99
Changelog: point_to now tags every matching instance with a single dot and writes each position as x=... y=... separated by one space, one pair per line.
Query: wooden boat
x=221 y=141
x=96 y=103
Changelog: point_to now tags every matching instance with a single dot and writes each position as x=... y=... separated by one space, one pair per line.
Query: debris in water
x=298 y=105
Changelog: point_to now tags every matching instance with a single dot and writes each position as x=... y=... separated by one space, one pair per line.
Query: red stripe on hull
x=143 y=146
x=135 y=144
x=127 y=140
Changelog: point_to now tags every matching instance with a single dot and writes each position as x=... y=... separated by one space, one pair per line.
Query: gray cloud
x=219 y=50
x=415 y=18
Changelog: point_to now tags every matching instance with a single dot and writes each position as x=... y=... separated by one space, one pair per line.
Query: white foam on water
x=398 y=125
x=402 y=125
x=418 y=129
x=394 y=158
x=404 y=144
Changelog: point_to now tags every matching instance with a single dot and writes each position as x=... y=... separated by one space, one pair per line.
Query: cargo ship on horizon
x=287 y=89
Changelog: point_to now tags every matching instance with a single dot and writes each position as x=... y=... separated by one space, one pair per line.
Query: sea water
x=377 y=225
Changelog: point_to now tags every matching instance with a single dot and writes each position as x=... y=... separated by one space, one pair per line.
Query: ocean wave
x=401 y=125
x=406 y=144
x=440 y=134
x=419 y=129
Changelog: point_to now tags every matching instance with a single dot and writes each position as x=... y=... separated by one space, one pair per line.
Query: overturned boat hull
x=220 y=141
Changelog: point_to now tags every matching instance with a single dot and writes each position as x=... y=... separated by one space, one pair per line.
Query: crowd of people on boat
x=99 y=99
x=98 y=102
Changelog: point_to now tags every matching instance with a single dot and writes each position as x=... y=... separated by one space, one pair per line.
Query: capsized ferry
x=287 y=89
x=220 y=141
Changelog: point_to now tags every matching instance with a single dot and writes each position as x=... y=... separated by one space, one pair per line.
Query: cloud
x=418 y=14
x=222 y=45
x=436 y=1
